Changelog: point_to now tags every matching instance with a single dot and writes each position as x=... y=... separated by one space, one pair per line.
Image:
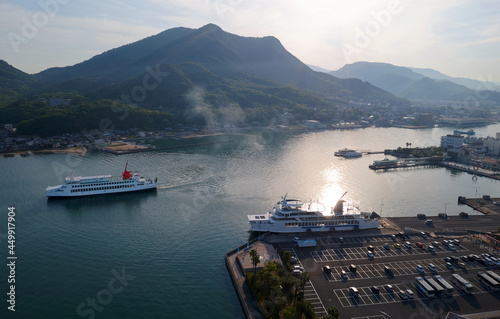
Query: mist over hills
x=417 y=84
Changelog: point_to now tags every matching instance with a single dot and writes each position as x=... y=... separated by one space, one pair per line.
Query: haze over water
x=172 y=241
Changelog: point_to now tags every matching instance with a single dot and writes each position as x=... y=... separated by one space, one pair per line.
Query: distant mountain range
x=161 y=70
x=419 y=84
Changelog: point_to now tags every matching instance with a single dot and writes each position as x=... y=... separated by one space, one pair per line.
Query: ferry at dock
x=294 y=216
x=348 y=153
x=77 y=186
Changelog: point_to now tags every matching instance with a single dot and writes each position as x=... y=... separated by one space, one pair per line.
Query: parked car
x=474 y=257
x=388 y=288
x=420 y=269
x=402 y=295
x=398 y=246
x=369 y=254
x=343 y=275
x=461 y=265
x=352 y=268
x=431 y=249
x=353 y=291
x=450 y=266
x=393 y=237
x=419 y=245
x=452 y=247
x=386 y=246
x=370 y=247
x=388 y=270
x=376 y=290
x=341 y=239
x=410 y=294
x=327 y=270
x=408 y=245
x=432 y=267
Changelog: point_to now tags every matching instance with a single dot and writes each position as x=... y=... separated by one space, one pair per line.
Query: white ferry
x=293 y=216
x=75 y=186
x=348 y=153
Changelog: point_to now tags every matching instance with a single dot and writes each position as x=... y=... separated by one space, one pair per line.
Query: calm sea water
x=160 y=254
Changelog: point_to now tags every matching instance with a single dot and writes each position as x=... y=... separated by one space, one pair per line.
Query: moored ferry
x=348 y=153
x=76 y=186
x=294 y=216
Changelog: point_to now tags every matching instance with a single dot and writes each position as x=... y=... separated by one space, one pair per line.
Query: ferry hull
x=278 y=229
x=98 y=193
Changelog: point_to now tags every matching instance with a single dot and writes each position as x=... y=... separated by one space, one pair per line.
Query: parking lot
x=366 y=297
x=400 y=268
x=355 y=253
x=332 y=289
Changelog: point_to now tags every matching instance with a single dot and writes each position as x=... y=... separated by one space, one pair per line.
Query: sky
x=456 y=37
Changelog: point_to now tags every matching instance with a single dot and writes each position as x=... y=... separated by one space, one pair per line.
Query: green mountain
x=410 y=84
x=13 y=82
x=197 y=75
x=210 y=57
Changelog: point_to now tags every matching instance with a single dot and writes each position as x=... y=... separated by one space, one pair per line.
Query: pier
x=409 y=163
x=485 y=204
x=149 y=149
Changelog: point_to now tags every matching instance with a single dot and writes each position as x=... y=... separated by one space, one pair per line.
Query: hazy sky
x=458 y=38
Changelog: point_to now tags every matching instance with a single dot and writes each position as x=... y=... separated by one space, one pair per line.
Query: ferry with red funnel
x=77 y=186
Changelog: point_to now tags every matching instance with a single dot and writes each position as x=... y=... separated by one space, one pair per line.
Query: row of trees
x=280 y=294
x=419 y=152
x=37 y=117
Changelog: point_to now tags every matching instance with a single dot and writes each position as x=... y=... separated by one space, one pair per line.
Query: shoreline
x=71 y=150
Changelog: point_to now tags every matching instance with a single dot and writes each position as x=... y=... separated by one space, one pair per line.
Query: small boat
x=469 y=132
x=348 y=153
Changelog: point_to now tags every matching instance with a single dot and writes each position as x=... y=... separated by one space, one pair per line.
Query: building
x=452 y=141
x=426 y=119
x=314 y=125
x=493 y=145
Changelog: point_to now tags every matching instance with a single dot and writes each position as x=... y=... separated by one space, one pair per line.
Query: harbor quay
x=341 y=250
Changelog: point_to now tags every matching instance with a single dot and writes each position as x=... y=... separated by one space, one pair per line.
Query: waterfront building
x=493 y=145
x=452 y=141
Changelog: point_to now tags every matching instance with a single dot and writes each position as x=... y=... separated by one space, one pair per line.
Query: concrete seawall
x=250 y=306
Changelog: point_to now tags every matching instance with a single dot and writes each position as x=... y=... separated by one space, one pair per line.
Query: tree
x=255 y=259
x=304 y=278
x=332 y=313
x=287 y=256
x=289 y=312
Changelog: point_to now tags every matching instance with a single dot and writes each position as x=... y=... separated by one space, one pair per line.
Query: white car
x=408 y=245
x=432 y=267
x=410 y=294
